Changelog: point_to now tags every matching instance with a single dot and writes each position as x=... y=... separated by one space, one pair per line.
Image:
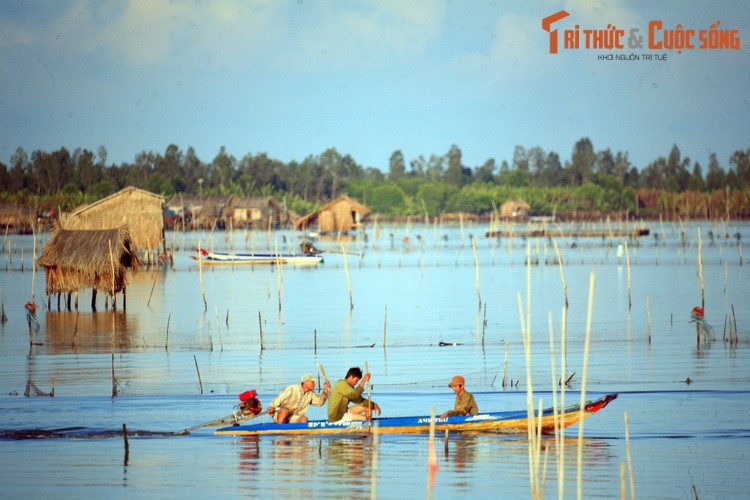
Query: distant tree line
x=600 y=181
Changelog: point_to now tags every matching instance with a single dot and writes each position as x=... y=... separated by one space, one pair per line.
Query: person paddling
x=347 y=391
x=465 y=404
x=292 y=403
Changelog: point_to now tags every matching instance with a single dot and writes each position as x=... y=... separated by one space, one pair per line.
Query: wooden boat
x=505 y=422
x=214 y=258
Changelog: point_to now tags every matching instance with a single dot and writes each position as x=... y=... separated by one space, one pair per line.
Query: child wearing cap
x=465 y=404
x=292 y=403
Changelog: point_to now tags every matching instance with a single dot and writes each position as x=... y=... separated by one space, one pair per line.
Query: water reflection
x=89 y=332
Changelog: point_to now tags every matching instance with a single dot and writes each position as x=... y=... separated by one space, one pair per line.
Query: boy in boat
x=292 y=403
x=465 y=404
x=347 y=391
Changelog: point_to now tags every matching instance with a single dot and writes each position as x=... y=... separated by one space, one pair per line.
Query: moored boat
x=505 y=422
x=213 y=258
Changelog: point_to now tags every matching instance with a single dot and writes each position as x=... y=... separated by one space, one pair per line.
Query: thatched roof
x=340 y=215
x=140 y=210
x=76 y=259
x=513 y=208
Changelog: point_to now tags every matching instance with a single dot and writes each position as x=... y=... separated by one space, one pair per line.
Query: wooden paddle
x=369 y=402
x=323 y=372
x=228 y=420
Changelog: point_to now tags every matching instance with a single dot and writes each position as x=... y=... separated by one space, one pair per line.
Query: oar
x=369 y=395
x=323 y=372
x=229 y=419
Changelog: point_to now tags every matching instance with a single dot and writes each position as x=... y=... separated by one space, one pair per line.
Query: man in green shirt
x=347 y=391
x=465 y=404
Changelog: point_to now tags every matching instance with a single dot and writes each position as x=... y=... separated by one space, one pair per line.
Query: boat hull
x=218 y=258
x=515 y=422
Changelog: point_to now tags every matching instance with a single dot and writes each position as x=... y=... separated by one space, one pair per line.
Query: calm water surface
x=393 y=301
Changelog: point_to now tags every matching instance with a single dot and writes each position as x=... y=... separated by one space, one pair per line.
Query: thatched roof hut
x=341 y=215
x=98 y=259
x=259 y=212
x=514 y=208
x=139 y=210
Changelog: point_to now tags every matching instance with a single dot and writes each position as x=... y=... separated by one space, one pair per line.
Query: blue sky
x=293 y=79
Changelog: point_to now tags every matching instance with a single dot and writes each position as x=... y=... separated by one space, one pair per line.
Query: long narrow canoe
x=504 y=422
x=212 y=258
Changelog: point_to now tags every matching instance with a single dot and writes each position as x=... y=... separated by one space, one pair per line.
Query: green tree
x=396 y=166
x=388 y=199
x=715 y=176
x=454 y=175
x=486 y=173
x=696 y=182
x=582 y=161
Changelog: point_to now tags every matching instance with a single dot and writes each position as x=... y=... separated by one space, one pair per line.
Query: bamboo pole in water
x=385 y=326
x=127 y=446
x=627 y=453
x=374 y=464
x=166 y=343
x=562 y=274
x=200 y=382
x=200 y=278
x=260 y=330
x=279 y=272
x=648 y=315
x=627 y=262
x=586 y=347
x=432 y=464
x=700 y=268
x=348 y=281
x=476 y=272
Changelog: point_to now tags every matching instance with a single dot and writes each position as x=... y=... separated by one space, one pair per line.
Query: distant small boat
x=213 y=258
x=505 y=422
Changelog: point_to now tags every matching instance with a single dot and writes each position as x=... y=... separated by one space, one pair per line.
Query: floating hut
x=139 y=210
x=261 y=213
x=340 y=216
x=74 y=259
x=202 y=212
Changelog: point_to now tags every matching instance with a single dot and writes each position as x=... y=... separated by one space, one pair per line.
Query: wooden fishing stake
x=153 y=285
x=200 y=382
x=218 y=329
x=127 y=446
x=374 y=465
x=627 y=261
x=369 y=402
x=476 y=272
x=348 y=281
x=33 y=267
x=260 y=330
x=505 y=363
x=700 y=268
x=555 y=414
x=586 y=348
x=648 y=314
x=529 y=397
x=432 y=464
x=166 y=342
x=562 y=275
x=3 y=317
x=279 y=271
x=315 y=341
x=200 y=279
x=700 y=280
x=627 y=452
x=114 y=381
x=385 y=326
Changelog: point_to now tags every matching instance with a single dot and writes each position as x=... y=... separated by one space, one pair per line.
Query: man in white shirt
x=292 y=403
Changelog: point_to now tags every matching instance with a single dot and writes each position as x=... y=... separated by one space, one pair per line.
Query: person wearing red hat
x=465 y=404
